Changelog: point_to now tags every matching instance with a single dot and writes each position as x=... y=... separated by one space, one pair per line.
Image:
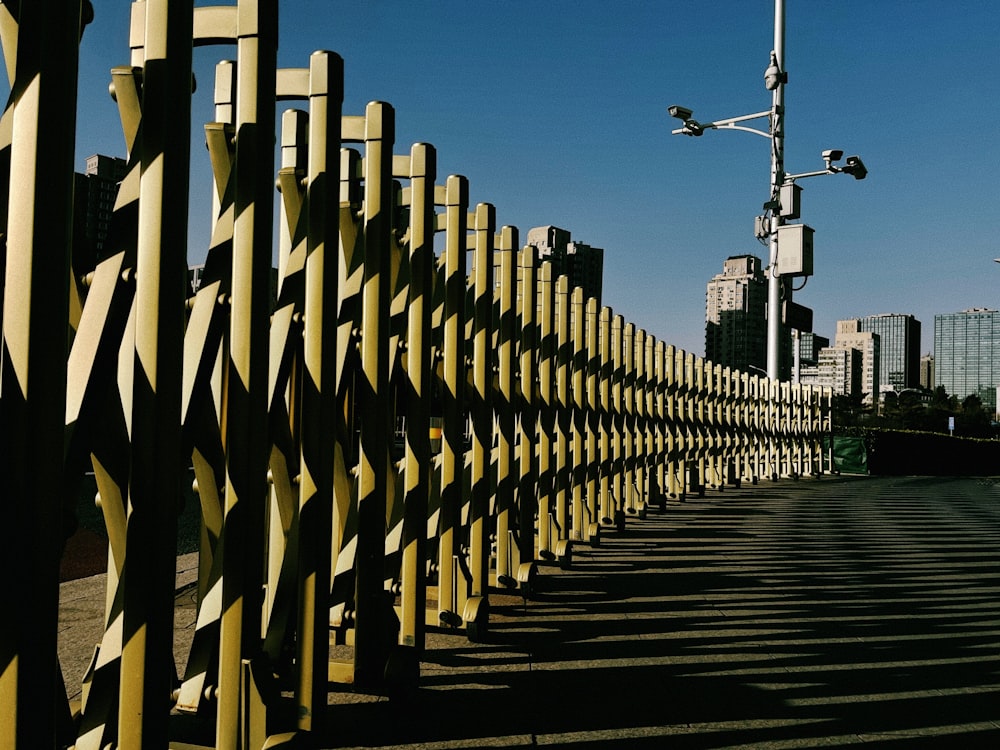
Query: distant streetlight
x=783 y=202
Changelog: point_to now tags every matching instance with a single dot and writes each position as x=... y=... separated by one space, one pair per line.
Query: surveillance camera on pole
x=783 y=201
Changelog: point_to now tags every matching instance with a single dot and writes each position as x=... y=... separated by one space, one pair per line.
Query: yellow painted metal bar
x=413 y=593
x=606 y=375
x=35 y=303
x=662 y=427
x=743 y=407
x=709 y=425
x=638 y=499
x=759 y=400
x=580 y=520
x=563 y=414
x=728 y=459
x=692 y=477
x=284 y=381
x=161 y=269
x=372 y=639
x=546 y=484
x=246 y=399
x=759 y=395
x=452 y=399
x=319 y=388
x=205 y=361
x=505 y=404
x=617 y=422
x=672 y=418
x=476 y=610
x=651 y=422
x=592 y=418
x=528 y=425
x=345 y=515
x=629 y=419
x=699 y=418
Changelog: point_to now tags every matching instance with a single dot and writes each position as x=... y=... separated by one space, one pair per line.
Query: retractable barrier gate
x=379 y=437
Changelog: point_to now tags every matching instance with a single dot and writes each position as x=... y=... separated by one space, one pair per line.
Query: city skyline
x=556 y=113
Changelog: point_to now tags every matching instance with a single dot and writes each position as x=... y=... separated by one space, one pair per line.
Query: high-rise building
x=810 y=345
x=927 y=372
x=899 y=349
x=850 y=336
x=735 y=323
x=836 y=368
x=967 y=353
x=94 y=194
x=582 y=264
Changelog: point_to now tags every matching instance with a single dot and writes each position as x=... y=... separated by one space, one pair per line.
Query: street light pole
x=768 y=226
x=777 y=130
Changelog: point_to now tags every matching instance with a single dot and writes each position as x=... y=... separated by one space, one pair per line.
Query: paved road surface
x=787 y=615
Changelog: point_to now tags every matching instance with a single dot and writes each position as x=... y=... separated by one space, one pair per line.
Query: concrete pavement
x=844 y=611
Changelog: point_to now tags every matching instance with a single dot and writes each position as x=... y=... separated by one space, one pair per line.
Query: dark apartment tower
x=95 y=191
x=582 y=264
x=735 y=322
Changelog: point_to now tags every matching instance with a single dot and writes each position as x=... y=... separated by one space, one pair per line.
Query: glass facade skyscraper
x=899 y=349
x=967 y=353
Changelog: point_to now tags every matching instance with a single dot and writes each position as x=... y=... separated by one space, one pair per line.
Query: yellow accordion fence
x=400 y=434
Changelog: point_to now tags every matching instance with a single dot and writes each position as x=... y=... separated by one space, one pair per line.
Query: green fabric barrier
x=849 y=455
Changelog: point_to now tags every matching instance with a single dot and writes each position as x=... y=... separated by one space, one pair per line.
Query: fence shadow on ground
x=870 y=612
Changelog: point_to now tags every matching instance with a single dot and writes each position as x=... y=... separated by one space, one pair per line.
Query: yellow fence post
x=638 y=500
x=563 y=421
x=372 y=638
x=528 y=484
x=672 y=421
x=617 y=422
x=606 y=512
x=35 y=301
x=506 y=403
x=246 y=403
x=452 y=399
x=475 y=611
x=417 y=398
x=594 y=463
x=578 y=406
x=546 y=484
x=147 y=579
x=319 y=388
x=650 y=461
x=628 y=500
x=661 y=466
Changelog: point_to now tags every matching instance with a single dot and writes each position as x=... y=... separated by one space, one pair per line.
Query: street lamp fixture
x=783 y=188
x=695 y=128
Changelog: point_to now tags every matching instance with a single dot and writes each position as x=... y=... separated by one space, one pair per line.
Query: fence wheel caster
x=564 y=553
x=526 y=573
x=594 y=534
x=477 y=618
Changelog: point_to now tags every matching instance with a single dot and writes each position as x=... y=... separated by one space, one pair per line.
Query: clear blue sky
x=556 y=112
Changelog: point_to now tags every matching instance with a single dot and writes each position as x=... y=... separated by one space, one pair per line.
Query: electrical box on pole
x=795 y=250
x=790 y=198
